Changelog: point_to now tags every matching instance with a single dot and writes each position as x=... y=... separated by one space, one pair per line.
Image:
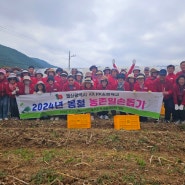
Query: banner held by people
x=61 y=103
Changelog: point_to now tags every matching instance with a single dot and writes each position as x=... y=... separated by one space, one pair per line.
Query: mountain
x=12 y=58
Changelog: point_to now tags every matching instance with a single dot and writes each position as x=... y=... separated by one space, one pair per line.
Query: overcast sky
x=96 y=31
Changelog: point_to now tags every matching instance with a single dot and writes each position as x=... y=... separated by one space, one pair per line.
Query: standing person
x=113 y=78
x=107 y=71
x=182 y=72
x=63 y=80
x=3 y=96
x=40 y=88
x=74 y=71
x=141 y=86
x=136 y=71
x=121 y=85
x=26 y=87
x=79 y=77
x=131 y=81
x=13 y=90
x=71 y=84
x=163 y=85
x=153 y=76
x=171 y=76
x=147 y=72
x=179 y=99
x=52 y=85
x=58 y=74
x=98 y=78
x=39 y=77
x=31 y=71
x=94 y=70
x=104 y=85
x=88 y=85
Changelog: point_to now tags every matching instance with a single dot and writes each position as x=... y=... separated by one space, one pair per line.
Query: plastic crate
x=127 y=122
x=162 y=113
x=78 y=121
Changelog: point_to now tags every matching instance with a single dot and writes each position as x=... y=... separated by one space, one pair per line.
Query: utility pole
x=69 y=62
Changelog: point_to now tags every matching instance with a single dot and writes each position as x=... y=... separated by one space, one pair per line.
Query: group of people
x=31 y=81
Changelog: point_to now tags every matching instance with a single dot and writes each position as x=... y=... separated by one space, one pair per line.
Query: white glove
x=176 y=107
x=113 y=61
x=134 y=61
x=14 y=92
x=181 y=107
x=39 y=92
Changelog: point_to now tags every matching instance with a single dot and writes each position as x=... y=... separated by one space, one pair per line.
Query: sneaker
x=156 y=121
x=92 y=118
x=52 y=118
x=106 y=117
x=1 y=119
x=6 y=119
x=57 y=118
x=101 y=117
x=177 y=122
x=166 y=121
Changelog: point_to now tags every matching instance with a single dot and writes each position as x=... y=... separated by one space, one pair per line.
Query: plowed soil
x=46 y=152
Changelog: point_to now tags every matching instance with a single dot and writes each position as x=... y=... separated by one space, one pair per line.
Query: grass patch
x=45 y=176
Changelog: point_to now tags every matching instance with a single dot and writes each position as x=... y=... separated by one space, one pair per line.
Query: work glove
x=176 y=107
x=134 y=61
x=39 y=92
x=181 y=107
x=14 y=92
x=17 y=89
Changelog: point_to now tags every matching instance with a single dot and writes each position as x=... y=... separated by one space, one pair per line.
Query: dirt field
x=46 y=152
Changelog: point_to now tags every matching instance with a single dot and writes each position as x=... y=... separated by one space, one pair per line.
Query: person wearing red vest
x=12 y=89
x=163 y=85
x=131 y=81
x=153 y=76
x=39 y=77
x=179 y=99
x=94 y=70
x=26 y=87
x=63 y=80
x=52 y=85
x=3 y=96
x=171 y=76
x=104 y=85
x=71 y=84
x=88 y=84
x=57 y=77
x=182 y=72
x=79 y=78
x=141 y=86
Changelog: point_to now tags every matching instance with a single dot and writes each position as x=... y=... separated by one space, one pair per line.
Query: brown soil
x=45 y=152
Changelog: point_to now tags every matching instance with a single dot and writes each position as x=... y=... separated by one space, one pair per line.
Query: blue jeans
x=3 y=107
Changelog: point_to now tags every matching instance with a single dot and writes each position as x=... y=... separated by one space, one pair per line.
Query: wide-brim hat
x=99 y=72
x=3 y=71
x=12 y=75
x=39 y=72
x=107 y=68
x=139 y=76
x=26 y=78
